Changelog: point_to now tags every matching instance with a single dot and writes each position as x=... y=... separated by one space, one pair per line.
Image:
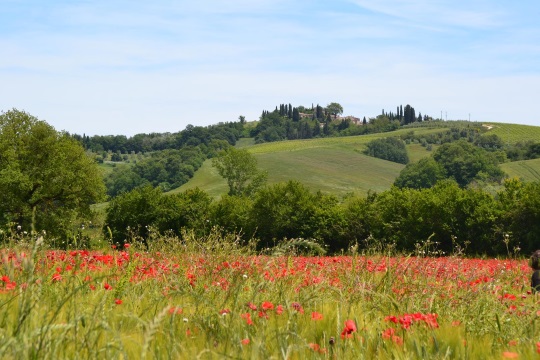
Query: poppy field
x=178 y=303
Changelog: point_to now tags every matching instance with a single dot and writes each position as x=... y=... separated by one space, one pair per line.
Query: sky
x=100 y=67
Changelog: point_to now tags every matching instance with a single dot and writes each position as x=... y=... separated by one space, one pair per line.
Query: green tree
x=46 y=179
x=464 y=162
x=420 y=175
x=239 y=168
x=391 y=149
x=334 y=109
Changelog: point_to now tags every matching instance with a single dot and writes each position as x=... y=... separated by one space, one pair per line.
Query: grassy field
x=191 y=302
x=330 y=165
x=528 y=170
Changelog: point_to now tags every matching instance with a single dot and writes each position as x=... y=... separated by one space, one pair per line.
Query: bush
x=391 y=149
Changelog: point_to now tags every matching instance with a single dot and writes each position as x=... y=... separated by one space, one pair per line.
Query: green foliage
x=47 y=182
x=521 y=204
x=239 y=168
x=289 y=210
x=334 y=109
x=420 y=175
x=134 y=215
x=131 y=215
x=391 y=149
x=465 y=162
x=167 y=169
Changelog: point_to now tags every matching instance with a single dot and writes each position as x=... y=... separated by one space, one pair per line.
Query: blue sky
x=127 y=67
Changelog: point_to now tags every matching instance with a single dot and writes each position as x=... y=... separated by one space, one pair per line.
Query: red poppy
x=510 y=355
x=117 y=301
x=267 y=305
x=316 y=316
x=349 y=328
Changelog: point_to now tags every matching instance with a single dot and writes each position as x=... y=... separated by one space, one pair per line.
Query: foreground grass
x=216 y=300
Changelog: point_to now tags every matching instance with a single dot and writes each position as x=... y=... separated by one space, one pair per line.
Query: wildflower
x=106 y=286
x=224 y=312
x=512 y=343
x=252 y=306
x=398 y=340
x=247 y=317
x=175 y=310
x=279 y=309
x=388 y=333
x=263 y=314
x=126 y=246
x=118 y=301
x=538 y=347
x=267 y=305
x=510 y=355
x=296 y=306
x=316 y=316
x=245 y=341
x=57 y=277
x=349 y=328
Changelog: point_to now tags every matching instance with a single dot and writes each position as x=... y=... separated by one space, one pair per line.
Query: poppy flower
x=316 y=316
x=510 y=355
x=349 y=328
x=118 y=301
x=267 y=305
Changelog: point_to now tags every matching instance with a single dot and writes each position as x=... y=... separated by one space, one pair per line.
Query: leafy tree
x=391 y=149
x=46 y=179
x=131 y=215
x=334 y=109
x=420 y=175
x=239 y=168
x=463 y=162
x=284 y=210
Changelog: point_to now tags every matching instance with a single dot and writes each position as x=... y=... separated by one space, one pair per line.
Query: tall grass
x=214 y=298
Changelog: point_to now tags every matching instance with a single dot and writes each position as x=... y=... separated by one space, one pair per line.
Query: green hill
x=513 y=133
x=331 y=165
x=528 y=170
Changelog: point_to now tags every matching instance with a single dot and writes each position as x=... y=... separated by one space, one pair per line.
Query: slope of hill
x=513 y=133
x=528 y=170
x=331 y=165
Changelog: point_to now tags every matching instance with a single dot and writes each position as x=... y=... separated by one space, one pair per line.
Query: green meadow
x=331 y=165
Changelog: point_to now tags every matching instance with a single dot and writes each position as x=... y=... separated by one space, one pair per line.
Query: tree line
x=443 y=219
x=143 y=143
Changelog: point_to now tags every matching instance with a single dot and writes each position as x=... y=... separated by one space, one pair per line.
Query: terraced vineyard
x=513 y=133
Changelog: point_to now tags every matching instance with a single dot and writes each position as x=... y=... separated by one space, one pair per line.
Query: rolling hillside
x=528 y=170
x=331 y=165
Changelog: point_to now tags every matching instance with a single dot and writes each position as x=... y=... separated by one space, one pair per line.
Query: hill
x=528 y=170
x=331 y=165
x=513 y=133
